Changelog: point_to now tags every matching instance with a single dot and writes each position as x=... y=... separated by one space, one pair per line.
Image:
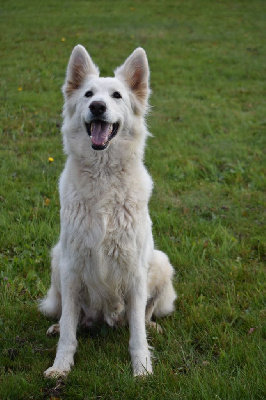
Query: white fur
x=104 y=266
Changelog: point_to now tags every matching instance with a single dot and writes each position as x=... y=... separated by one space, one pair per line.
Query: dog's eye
x=117 y=95
x=89 y=93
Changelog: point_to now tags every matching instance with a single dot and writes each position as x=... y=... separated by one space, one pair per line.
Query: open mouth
x=101 y=133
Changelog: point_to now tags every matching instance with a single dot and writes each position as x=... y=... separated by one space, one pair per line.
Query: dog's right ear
x=79 y=67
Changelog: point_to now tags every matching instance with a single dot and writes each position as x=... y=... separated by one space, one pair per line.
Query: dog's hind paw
x=53 y=330
x=55 y=373
x=154 y=325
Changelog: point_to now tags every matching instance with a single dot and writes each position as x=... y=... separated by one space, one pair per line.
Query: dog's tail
x=51 y=305
x=161 y=276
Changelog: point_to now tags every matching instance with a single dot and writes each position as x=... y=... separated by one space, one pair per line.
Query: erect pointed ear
x=79 y=67
x=135 y=72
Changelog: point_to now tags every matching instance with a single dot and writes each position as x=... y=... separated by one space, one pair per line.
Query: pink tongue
x=99 y=132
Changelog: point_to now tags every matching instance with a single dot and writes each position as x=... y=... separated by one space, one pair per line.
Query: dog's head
x=101 y=109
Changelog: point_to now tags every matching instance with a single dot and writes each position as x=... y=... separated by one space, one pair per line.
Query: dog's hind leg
x=51 y=304
x=151 y=304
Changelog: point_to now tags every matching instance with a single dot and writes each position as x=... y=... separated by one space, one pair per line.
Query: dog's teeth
x=110 y=128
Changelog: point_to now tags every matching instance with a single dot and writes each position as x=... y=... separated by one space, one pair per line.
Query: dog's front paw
x=53 y=372
x=141 y=365
x=142 y=371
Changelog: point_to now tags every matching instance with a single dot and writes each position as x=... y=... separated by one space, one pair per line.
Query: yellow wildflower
x=46 y=201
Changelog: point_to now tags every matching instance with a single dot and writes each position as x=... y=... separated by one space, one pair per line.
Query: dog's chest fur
x=104 y=219
x=104 y=214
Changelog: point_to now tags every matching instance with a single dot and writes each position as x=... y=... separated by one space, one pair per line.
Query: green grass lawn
x=207 y=159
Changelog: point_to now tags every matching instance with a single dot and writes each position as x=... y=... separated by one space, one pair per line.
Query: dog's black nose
x=97 y=108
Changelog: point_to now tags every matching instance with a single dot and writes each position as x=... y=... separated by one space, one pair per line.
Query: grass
x=207 y=160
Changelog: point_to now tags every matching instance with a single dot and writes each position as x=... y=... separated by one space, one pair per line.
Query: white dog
x=105 y=266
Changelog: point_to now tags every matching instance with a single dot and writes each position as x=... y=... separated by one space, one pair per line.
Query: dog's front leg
x=68 y=324
x=138 y=345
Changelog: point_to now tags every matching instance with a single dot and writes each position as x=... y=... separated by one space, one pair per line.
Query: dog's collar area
x=101 y=133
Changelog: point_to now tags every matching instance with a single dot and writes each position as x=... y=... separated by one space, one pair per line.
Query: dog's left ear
x=135 y=72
